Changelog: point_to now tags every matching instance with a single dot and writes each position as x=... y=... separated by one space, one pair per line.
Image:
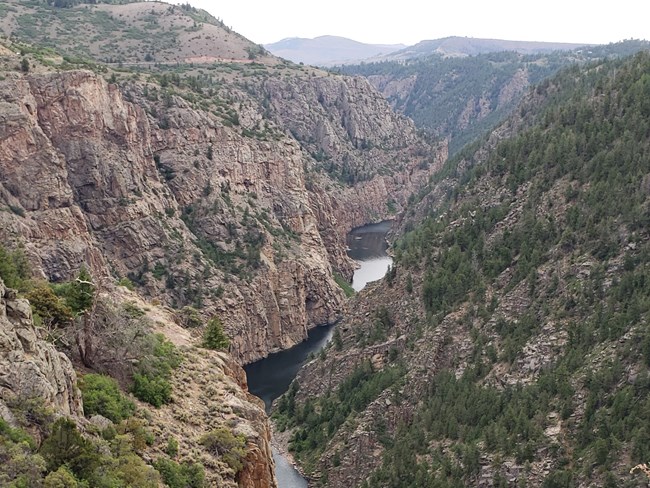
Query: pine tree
x=214 y=336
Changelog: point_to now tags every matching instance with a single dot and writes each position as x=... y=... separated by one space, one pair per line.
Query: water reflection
x=367 y=245
x=270 y=377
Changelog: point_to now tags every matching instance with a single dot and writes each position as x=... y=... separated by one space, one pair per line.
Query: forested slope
x=463 y=97
x=510 y=344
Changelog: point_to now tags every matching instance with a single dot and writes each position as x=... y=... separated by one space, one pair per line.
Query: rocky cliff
x=234 y=218
x=30 y=367
x=370 y=159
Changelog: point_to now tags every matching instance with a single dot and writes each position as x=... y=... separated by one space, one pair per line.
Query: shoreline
x=280 y=441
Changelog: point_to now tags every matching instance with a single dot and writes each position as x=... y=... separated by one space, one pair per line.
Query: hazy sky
x=410 y=21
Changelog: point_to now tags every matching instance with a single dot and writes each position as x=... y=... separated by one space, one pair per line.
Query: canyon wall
x=197 y=212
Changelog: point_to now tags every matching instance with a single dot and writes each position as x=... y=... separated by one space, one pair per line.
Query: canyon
x=231 y=202
x=206 y=192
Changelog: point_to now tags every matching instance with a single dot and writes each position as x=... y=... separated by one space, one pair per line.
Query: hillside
x=509 y=344
x=328 y=50
x=460 y=98
x=152 y=211
x=143 y=33
x=469 y=46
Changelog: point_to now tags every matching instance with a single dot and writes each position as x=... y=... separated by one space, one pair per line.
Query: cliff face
x=79 y=160
x=30 y=367
x=141 y=184
x=367 y=160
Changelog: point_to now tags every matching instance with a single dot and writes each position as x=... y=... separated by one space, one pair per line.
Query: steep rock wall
x=78 y=167
x=30 y=367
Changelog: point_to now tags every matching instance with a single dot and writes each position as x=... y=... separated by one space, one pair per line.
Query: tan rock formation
x=30 y=367
x=198 y=212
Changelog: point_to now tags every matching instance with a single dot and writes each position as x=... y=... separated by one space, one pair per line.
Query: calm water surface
x=270 y=377
x=367 y=246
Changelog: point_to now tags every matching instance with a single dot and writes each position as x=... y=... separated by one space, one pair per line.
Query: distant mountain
x=470 y=46
x=328 y=50
x=460 y=97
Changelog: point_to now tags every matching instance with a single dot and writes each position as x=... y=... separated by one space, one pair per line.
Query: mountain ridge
x=328 y=50
x=470 y=46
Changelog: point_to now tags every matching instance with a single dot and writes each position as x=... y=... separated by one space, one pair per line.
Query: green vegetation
x=189 y=317
x=318 y=420
x=229 y=448
x=214 y=337
x=48 y=308
x=151 y=381
x=181 y=475
x=66 y=447
x=78 y=294
x=248 y=241
x=588 y=142
x=66 y=458
x=101 y=395
x=446 y=87
x=344 y=285
x=14 y=267
x=545 y=230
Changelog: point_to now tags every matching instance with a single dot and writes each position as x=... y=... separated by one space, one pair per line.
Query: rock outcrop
x=78 y=161
x=31 y=367
x=239 y=221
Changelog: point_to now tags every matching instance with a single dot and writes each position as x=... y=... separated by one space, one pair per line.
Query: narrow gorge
x=191 y=200
x=196 y=282
x=271 y=377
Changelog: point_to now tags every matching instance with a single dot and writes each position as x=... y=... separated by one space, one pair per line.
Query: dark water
x=270 y=377
x=367 y=246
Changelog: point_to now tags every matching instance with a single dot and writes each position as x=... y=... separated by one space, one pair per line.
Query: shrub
x=153 y=390
x=66 y=445
x=61 y=478
x=101 y=395
x=140 y=437
x=78 y=294
x=184 y=475
x=189 y=317
x=214 y=336
x=171 y=473
x=14 y=267
x=126 y=283
x=172 y=447
x=151 y=382
x=21 y=466
x=223 y=443
x=50 y=308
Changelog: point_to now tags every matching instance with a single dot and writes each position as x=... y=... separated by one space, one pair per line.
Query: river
x=367 y=246
x=270 y=377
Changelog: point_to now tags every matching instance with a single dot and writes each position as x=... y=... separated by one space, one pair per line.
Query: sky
x=411 y=21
